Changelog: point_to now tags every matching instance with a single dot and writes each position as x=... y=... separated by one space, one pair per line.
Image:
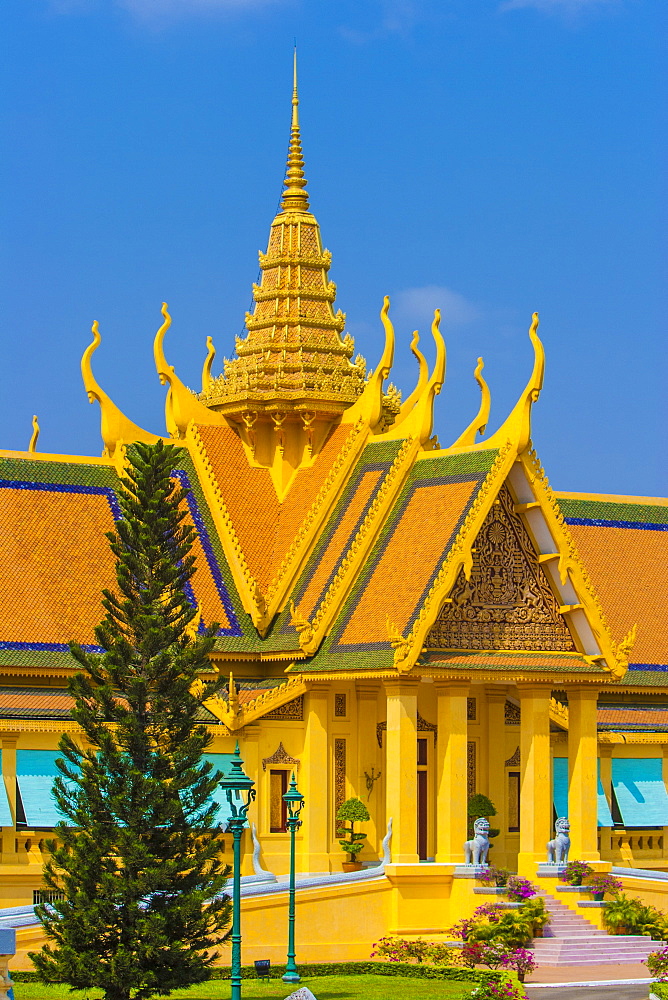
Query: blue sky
x=488 y=157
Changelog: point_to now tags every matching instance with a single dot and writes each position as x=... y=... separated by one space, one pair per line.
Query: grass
x=324 y=988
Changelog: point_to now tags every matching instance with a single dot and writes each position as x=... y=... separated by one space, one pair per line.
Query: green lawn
x=324 y=988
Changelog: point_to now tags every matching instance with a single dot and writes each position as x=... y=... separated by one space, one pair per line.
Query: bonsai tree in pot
x=479 y=805
x=352 y=811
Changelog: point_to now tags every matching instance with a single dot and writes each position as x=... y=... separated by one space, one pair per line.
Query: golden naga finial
x=232 y=697
x=295 y=198
x=418 y=422
x=479 y=422
x=117 y=431
x=423 y=378
x=32 y=447
x=369 y=406
x=399 y=644
x=181 y=406
x=303 y=628
x=206 y=370
x=517 y=427
x=621 y=652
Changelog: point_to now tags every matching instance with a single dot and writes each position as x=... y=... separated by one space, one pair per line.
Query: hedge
x=419 y=971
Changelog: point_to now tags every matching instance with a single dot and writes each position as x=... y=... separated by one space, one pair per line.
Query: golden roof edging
x=359 y=548
x=42 y=456
x=246 y=584
x=308 y=532
x=614 y=657
x=620 y=738
x=559 y=713
x=419 y=421
x=236 y=717
x=423 y=378
x=369 y=405
x=459 y=555
x=479 y=422
x=181 y=405
x=38 y=726
x=117 y=430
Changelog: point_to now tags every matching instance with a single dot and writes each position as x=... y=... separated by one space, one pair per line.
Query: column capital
x=605 y=751
x=496 y=694
x=367 y=689
x=582 y=692
x=534 y=689
x=8 y=741
x=395 y=685
x=454 y=687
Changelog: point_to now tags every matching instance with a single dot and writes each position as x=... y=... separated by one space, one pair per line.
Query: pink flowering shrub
x=417 y=950
x=657 y=963
x=507 y=989
x=520 y=889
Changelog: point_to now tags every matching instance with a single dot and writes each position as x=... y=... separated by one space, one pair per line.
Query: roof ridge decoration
x=370 y=403
x=479 y=422
x=247 y=586
x=311 y=637
x=181 y=406
x=614 y=656
x=208 y=362
x=32 y=447
x=419 y=421
x=423 y=378
x=236 y=716
x=116 y=429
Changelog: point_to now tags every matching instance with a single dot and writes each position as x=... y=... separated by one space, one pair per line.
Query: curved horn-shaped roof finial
x=517 y=426
x=419 y=422
x=181 y=406
x=369 y=405
x=116 y=429
x=423 y=378
x=479 y=422
x=32 y=447
x=206 y=370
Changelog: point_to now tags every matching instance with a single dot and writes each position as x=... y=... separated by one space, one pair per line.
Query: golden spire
x=295 y=198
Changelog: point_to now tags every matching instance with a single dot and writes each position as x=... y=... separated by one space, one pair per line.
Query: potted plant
x=600 y=883
x=494 y=876
x=576 y=872
x=535 y=911
x=479 y=805
x=625 y=915
x=351 y=811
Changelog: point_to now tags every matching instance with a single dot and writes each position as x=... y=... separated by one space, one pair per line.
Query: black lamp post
x=240 y=793
x=294 y=801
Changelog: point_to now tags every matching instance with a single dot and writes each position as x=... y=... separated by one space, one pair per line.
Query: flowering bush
x=507 y=989
x=489 y=953
x=521 y=960
x=657 y=963
x=576 y=872
x=418 y=950
x=604 y=883
x=520 y=889
x=490 y=910
x=493 y=876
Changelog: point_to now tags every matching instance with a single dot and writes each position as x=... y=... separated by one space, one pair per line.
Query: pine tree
x=138 y=858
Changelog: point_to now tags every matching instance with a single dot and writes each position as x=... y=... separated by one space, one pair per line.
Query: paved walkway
x=587 y=973
x=620 y=992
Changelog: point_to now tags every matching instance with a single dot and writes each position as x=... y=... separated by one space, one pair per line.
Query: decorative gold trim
x=471 y=768
x=511 y=714
x=236 y=716
x=479 y=422
x=282 y=758
x=422 y=726
x=513 y=760
x=339 y=773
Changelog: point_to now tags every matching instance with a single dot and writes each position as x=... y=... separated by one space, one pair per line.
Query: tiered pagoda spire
x=294 y=362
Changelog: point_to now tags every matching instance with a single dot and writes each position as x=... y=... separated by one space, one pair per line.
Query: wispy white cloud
x=416 y=306
x=558 y=6
x=387 y=17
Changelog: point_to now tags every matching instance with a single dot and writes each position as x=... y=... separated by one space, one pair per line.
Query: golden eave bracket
x=236 y=716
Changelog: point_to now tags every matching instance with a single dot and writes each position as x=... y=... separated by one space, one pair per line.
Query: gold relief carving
x=471 y=710
x=339 y=773
x=292 y=711
x=281 y=758
x=422 y=727
x=340 y=706
x=470 y=768
x=507 y=602
x=511 y=714
x=514 y=759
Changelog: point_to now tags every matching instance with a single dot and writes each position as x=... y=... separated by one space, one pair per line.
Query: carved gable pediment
x=507 y=603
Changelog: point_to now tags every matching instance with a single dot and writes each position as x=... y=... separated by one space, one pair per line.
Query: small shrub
x=507 y=989
x=576 y=872
x=351 y=811
x=520 y=889
x=602 y=882
x=520 y=960
x=657 y=963
x=417 y=950
x=494 y=876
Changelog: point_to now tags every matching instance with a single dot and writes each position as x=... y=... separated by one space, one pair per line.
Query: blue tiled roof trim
x=53 y=647
x=601 y=523
x=661 y=668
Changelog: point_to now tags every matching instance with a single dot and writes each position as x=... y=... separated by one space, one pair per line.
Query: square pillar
x=315 y=784
x=496 y=768
x=8 y=743
x=582 y=776
x=368 y=762
x=605 y=756
x=536 y=777
x=451 y=764
x=401 y=769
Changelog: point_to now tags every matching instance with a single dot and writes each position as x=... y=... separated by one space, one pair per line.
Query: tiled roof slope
x=56 y=560
x=53 y=703
x=623 y=542
x=264 y=524
x=404 y=561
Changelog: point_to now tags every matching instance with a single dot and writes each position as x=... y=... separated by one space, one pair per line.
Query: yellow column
x=536 y=777
x=401 y=769
x=605 y=754
x=9 y=778
x=315 y=784
x=368 y=762
x=496 y=769
x=664 y=852
x=582 y=757
x=451 y=761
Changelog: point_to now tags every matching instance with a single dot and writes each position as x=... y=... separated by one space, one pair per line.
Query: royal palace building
x=403 y=619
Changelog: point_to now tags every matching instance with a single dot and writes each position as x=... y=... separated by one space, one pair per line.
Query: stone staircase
x=571 y=940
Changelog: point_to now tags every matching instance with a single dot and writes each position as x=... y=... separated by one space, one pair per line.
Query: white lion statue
x=476 y=850
x=557 y=849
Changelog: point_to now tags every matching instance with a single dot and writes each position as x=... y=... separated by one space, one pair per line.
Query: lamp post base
x=291 y=977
